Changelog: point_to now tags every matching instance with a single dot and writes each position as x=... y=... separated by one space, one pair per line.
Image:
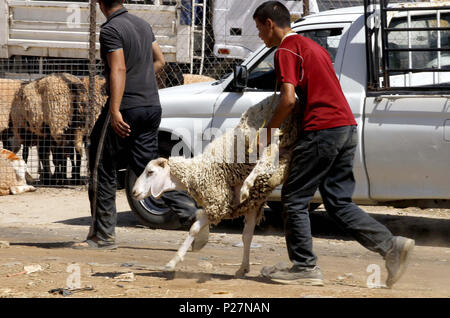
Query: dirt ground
x=40 y=226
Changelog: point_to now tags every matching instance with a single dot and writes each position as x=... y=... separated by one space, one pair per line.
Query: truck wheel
x=150 y=212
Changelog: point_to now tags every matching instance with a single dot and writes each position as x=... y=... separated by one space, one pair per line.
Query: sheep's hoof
x=246 y=186
x=242 y=271
x=245 y=191
x=244 y=194
x=170 y=267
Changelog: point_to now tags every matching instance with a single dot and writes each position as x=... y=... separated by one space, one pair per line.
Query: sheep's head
x=18 y=167
x=155 y=180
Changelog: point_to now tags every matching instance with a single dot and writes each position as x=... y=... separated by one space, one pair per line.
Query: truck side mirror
x=240 y=77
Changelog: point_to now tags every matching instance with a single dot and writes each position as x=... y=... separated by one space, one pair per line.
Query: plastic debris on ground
x=68 y=291
x=126 y=277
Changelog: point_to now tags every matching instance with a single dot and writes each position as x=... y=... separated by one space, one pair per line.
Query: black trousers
x=324 y=160
x=134 y=151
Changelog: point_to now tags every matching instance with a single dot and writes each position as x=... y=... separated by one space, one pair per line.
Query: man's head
x=107 y=5
x=272 y=19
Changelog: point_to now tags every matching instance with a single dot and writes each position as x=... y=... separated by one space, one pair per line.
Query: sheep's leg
x=76 y=168
x=248 y=184
x=58 y=161
x=25 y=153
x=247 y=236
x=267 y=164
x=193 y=231
x=22 y=189
x=44 y=158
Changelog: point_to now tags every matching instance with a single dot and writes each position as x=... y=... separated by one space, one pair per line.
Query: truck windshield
x=327 y=38
x=262 y=74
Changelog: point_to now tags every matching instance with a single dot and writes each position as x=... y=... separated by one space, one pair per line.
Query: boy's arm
x=284 y=108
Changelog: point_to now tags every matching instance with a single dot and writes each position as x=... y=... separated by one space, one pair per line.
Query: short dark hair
x=275 y=11
x=112 y=3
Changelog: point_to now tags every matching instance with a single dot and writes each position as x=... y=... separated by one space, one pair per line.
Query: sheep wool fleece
x=8 y=90
x=214 y=180
x=59 y=102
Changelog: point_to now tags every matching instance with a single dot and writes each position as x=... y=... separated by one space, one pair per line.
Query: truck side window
x=262 y=75
x=419 y=39
x=327 y=38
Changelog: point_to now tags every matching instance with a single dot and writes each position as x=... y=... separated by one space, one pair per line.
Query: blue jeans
x=323 y=160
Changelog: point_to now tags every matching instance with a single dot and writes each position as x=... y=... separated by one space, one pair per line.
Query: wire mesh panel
x=44 y=117
x=410 y=45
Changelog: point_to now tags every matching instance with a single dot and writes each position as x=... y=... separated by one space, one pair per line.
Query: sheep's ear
x=159 y=186
x=156 y=191
x=160 y=181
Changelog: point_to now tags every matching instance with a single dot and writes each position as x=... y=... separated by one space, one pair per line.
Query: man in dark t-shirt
x=134 y=36
x=322 y=157
x=126 y=132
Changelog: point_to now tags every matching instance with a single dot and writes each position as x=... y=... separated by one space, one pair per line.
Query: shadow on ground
x=200 y=276
x=426 y=231
x=44 y=245
x=124 y=219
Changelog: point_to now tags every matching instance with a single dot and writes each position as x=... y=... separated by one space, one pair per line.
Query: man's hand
x=120 y=127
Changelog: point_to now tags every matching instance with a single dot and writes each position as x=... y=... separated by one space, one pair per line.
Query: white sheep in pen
x=8 y=91
x=13 y=173
x=51 y=113
x=226 y=188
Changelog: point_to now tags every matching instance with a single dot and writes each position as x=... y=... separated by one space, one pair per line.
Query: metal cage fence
x=411 y=46
x=45 y=110
x=46 y=117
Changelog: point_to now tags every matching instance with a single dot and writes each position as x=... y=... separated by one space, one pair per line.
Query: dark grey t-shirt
x=125 y=31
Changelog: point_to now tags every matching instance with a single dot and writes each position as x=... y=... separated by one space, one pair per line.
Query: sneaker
x=202 y=236
x=91 y=244
x=266 y=271
x=296 y=275
x=397 y=259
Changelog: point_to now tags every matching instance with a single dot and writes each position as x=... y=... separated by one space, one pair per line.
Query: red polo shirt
x=305 y=64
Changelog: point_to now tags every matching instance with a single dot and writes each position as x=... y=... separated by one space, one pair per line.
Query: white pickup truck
x=396 y=82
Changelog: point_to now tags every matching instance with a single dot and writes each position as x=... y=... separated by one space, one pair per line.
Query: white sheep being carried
x=13 y=171
x=227 y=179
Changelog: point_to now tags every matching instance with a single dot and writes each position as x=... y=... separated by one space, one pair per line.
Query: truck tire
x=150 y=212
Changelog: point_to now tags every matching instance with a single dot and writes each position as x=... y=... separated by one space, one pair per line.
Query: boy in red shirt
x=322 y=158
